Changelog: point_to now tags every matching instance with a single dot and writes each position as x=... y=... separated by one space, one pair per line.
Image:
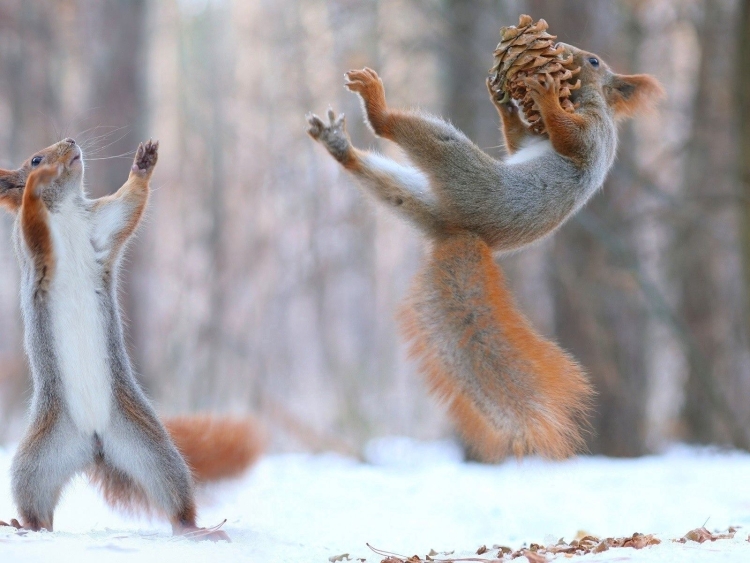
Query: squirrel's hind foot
x=369 y=86
x=34 y=526
x=333 y=135
x=214 y=533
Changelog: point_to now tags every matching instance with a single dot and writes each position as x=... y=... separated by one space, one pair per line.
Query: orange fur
x=11 y=189
x=368 y=84
x=564 y=129
x=631 y=94
x=216 y=447
x=508 y=389
x=35 y=225
x=514 y=129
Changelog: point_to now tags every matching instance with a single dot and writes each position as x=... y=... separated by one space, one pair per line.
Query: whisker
x=94 y=128
x=103 y=147
x=129 y=154
x=91 y=141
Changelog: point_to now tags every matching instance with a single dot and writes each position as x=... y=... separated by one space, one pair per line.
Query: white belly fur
x=530 y=151
x=78 y=322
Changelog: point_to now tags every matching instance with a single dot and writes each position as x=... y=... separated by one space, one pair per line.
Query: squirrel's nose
x=71 y=141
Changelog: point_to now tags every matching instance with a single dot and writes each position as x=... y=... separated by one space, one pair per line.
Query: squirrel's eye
x=593 y=61
x=36 y=160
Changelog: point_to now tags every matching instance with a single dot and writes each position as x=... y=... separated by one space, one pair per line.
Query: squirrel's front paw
x=41 y=177
x=539 y=91
x=501 y=99
x=145 y=158
x=333 y=134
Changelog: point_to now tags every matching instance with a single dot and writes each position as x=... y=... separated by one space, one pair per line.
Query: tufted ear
x=11 y=189
x=632 y=94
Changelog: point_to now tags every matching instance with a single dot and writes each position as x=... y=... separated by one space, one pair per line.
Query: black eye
x=593 y=61
x=36 y=160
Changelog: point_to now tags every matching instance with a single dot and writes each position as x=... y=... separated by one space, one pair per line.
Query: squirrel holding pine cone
x=508 y=388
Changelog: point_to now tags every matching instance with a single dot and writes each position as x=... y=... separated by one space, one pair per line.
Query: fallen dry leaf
x=701 y=535
x=583 y=544
x=534 y=556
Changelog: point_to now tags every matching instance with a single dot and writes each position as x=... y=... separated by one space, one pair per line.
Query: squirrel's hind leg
x=402 y=188
x=142 y=467
x=50 y=454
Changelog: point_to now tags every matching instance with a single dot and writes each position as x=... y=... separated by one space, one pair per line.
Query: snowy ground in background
x=411 y=498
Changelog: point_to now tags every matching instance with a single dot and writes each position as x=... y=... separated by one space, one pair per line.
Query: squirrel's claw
x=315 y=125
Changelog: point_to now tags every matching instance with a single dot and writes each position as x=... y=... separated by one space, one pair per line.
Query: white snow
x=412 y=497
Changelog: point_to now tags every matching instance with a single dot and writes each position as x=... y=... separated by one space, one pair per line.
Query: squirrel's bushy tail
x=508 y=389
x=216 y=447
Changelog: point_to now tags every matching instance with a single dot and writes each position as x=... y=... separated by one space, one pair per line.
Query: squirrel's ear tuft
x=11 y=189
x=632 y=94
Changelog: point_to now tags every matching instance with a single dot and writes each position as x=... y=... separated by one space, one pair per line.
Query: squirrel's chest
x=78 y=324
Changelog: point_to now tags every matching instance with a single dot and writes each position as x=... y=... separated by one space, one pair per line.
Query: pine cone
x=528 y=50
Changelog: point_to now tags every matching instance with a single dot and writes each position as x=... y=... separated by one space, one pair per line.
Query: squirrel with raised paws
x=507 y=387
x=88 y=413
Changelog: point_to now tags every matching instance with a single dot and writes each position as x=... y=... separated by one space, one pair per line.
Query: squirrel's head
x=625 y=94
x=65 y=153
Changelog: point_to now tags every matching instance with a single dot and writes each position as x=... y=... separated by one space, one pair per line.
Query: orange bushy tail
x=216 y=447
x=507 y=387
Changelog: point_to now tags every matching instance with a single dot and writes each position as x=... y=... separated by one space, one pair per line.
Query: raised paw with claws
x=369 y=86
x=145 y=158
x=497 y=96
x=366 y=83
x=549 y=89
x=333 y=135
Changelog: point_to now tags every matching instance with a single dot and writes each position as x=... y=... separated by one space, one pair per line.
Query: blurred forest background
x=262 y=280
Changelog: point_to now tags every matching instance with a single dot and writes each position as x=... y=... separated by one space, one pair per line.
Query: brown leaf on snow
x=701 y=535
x=601 y=547
x=534 y=556
x=583 y=544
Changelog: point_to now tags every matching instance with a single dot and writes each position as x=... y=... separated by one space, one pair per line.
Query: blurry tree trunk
x=600 y=316
x=742 y=33
x=463 y=21
x=30 y=60
x=362 y=375
x=118 y=89
x=707 y=297
x=118 y=100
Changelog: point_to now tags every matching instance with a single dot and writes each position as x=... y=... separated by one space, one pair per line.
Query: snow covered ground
x=413 y=497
